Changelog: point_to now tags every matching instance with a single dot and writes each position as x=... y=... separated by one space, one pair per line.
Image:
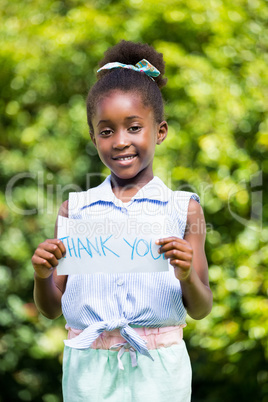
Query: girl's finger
x=59 y=244
x=176 y=254
x=39 y=262
x=181 y=269
x=46 y=255
x=166 y=240
x=180 y=264
x=174 y=245
x=53 y=248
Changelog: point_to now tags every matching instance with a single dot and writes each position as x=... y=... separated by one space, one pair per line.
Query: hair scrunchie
x=142 y=66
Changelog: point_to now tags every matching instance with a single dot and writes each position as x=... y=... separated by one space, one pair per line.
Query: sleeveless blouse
x=103 y=302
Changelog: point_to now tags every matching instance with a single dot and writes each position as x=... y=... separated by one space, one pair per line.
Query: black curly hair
x=129 y=80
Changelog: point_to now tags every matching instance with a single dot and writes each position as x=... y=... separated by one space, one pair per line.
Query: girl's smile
x=125 y=135
x=125 y=160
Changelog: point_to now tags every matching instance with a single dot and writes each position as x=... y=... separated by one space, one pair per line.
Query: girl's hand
x=46 y=256
x=180 y=253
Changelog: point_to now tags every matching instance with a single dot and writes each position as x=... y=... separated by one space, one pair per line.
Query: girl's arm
x=190 y=263
x=48 y=286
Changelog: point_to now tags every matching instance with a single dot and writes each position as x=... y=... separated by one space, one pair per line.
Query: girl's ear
x=162 y=132
x=92 y=137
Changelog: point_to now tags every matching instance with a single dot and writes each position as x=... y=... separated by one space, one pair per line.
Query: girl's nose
x=121 y=140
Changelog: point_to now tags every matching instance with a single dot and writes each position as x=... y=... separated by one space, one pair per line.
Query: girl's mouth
x=124 y=159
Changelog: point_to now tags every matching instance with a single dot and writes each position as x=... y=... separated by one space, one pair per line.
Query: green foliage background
x=216 y=106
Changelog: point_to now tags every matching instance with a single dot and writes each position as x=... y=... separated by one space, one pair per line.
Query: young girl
x=125 y=330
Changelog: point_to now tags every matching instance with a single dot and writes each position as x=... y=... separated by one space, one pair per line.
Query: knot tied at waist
x=116 y=324
x=85 y=339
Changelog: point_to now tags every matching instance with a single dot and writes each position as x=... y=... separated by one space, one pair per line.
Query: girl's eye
x=105 y=133
x=134 y=129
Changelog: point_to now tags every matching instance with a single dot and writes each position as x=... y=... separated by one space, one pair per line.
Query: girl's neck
x=126 y=189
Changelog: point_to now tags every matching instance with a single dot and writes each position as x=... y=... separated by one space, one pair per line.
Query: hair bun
x=127 y=52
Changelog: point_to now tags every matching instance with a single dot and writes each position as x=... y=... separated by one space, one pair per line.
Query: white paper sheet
x=102 y=245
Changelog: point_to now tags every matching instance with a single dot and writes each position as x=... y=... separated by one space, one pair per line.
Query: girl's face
x=125 y=135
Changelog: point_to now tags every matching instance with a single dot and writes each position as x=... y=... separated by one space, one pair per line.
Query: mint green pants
x=92 y=375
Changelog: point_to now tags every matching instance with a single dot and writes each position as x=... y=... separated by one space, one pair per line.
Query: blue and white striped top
x=97 y=302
